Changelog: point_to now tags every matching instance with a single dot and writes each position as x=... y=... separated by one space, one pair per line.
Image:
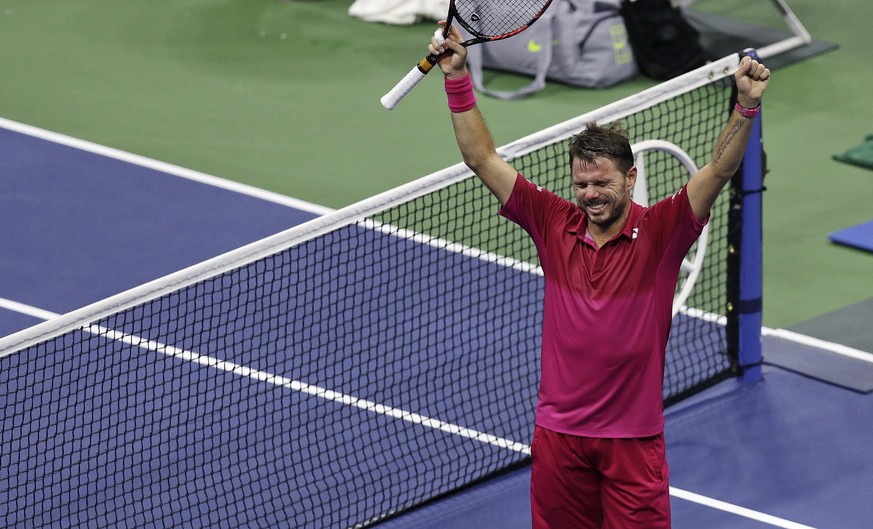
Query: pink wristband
x=460 y=94
x=748 y=112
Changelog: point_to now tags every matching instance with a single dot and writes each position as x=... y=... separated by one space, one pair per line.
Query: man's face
x=602 y=191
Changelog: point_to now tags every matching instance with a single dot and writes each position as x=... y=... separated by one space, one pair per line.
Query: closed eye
x=584 y=185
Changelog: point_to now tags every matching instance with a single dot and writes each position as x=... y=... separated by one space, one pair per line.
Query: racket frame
x=420 y=70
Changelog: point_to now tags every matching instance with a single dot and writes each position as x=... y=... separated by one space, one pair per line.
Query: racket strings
x=496 y=18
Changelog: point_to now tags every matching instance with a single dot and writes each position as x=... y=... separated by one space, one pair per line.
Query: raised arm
x=703 y=188
x=474 y=138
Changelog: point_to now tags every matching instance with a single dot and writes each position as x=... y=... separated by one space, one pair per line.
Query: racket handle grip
x=406 y=84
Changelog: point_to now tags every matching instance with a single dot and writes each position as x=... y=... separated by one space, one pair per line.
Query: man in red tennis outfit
x=611 y=268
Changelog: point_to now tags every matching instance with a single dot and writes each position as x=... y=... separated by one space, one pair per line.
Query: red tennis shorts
x=591 y=483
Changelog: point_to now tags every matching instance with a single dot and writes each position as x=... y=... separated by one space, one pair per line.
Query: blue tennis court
x=82 y=222
x=164 y=435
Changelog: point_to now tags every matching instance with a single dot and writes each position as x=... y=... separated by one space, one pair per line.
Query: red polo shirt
x=607 y=311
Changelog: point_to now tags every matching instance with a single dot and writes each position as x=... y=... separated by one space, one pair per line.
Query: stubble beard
x=605 y=222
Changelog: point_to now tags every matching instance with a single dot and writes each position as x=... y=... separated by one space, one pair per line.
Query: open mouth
x=595 y=209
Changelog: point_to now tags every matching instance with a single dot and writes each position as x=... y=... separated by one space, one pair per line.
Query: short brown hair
x=609 y=141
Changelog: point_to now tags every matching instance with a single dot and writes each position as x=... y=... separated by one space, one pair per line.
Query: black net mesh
x=334 y=383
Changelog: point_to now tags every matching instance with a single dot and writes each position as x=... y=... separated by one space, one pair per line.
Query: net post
x=750 y=302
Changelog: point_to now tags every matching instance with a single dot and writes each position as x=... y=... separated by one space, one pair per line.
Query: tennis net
x=341 y=372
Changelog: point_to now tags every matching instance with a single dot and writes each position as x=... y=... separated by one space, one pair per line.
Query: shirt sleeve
x=676 y=226
x=533 y=208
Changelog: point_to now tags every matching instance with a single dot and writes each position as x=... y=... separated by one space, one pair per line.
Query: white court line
x=309 y=389
x=839 y=349
x=164 y=167
x=277 y=380
x=451 y=247
x=21 y=308
x=736 y=509
x=366 y=405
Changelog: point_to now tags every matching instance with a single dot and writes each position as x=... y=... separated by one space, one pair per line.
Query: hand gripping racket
x=486 y=21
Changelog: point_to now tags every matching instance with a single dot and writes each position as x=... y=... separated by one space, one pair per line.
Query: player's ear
x=631 y=178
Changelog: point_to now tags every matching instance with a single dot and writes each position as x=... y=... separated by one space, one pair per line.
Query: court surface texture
x=283 y=96
x=82 y=222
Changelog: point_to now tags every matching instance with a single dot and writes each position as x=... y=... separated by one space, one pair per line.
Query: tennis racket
x=486 y=21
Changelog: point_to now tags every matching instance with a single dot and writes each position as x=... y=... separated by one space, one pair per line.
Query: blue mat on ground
x=859 y=236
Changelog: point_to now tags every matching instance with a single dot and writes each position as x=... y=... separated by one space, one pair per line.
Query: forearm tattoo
x=727 y=138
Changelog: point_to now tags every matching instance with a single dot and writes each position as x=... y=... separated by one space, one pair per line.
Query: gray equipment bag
x=578 y=42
